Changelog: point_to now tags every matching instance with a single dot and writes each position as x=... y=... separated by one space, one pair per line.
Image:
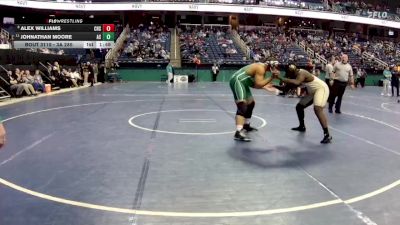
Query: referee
x=343 y=75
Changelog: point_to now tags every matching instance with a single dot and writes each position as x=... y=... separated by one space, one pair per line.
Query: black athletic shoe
x=327 y=139
x=300 y=129
x=330 y=111
x=338 y=111
x=240 y=136
x=248 y=128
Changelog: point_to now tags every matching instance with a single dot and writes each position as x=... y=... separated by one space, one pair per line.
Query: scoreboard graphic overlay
x=90 y=36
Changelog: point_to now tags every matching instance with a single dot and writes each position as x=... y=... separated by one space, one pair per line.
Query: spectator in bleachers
x=67 y=80
x=55 y=81
x=38 y=83
x=148 y=43
x=56 y=68
x=15 y=87
x=75 y=77
x=22 y=79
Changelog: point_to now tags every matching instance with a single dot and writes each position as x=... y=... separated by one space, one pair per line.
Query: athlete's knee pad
x=300 y=107
x=241 y=109
x=250 y=108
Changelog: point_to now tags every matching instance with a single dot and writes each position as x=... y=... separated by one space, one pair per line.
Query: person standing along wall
x=360 y=77
x=395 y=81
x=95 y=72
x=170 y=73
x=329 y=71
x=215 y=71
x=387 y=77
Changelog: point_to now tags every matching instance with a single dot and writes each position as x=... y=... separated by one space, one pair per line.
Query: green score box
x=108 y=36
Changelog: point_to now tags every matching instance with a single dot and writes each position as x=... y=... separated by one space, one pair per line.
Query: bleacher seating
x=271 y=43
x=147 y=45
x=211 y=45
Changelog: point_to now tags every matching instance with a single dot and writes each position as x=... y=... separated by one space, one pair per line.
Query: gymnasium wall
x=204 y=75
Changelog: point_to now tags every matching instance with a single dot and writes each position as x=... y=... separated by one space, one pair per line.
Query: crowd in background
x=144 y=43
x=272 y=43
x=31 y=83
x=209 y=44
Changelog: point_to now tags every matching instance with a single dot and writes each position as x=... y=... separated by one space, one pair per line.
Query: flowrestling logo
x=377 y=15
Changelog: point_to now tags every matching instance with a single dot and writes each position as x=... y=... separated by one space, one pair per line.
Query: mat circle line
x=264 y=123
x=189 y=214
x=383 y=106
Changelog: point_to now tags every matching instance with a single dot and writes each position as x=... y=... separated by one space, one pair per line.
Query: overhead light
x=51 y=15
x=91 y=16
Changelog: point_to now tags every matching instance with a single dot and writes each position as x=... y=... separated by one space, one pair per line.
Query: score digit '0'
x=108 y=27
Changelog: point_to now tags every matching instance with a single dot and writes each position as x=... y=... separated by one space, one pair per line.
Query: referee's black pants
x=337 y=90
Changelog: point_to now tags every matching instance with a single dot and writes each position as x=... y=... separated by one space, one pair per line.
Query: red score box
x=108 y=28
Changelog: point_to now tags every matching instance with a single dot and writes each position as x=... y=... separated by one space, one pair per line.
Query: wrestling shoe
x=327 y=139
x=299 y=128
x=248 y=128
x=241 y=136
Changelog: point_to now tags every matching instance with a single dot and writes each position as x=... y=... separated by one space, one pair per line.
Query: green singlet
x=240 y=84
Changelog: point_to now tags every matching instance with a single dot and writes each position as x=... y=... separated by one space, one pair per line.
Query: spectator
x=38 y=83
x=387 y=77
x=85 y=72
x=215 y=71
x=29 y=90
x=361 y=74
x=329 y=75
x=75 y=77
x=395 y=82
x=95 y=72
x=15 y=87
x=170 y=73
